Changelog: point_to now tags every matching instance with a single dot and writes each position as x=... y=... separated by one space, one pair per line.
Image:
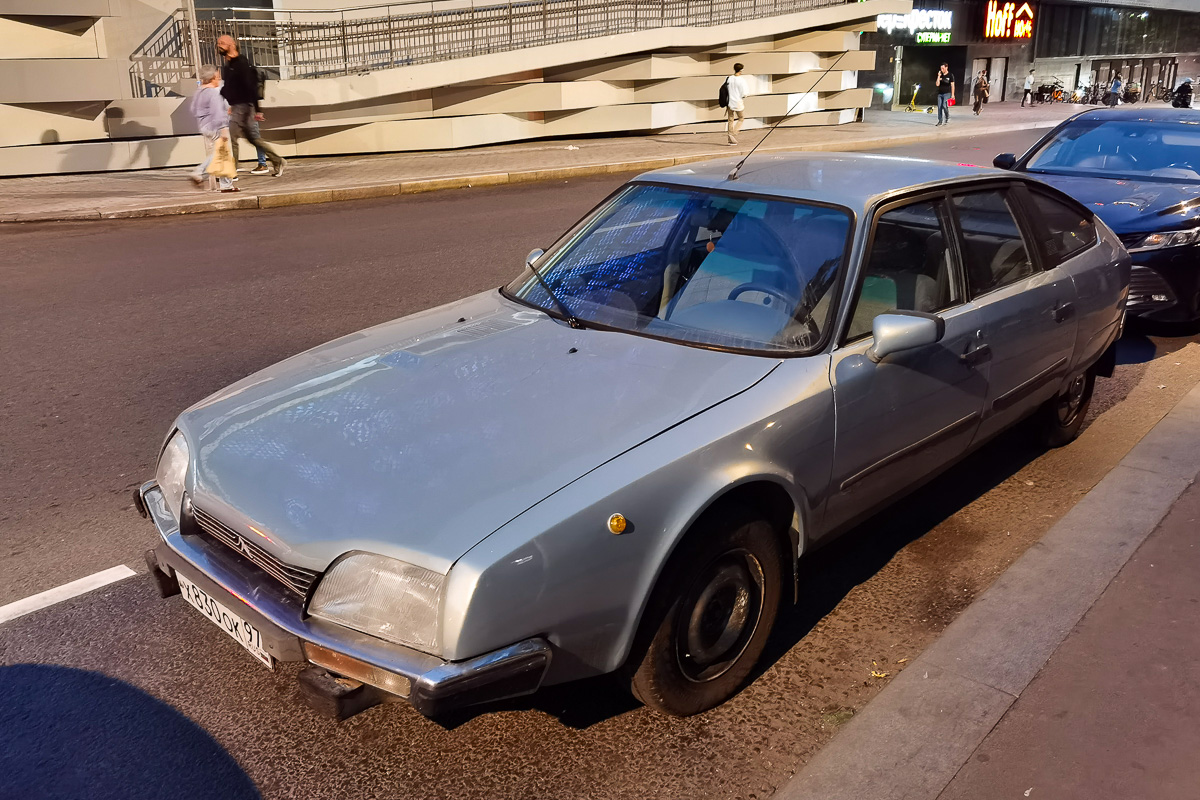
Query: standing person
x=241 y=90
x=212 y=115
x=735 y=112
x=1028 y=91
x=945 y=93
x=982 y=89
x=1114 y=91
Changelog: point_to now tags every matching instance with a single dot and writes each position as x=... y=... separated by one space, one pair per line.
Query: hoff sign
x=1008 y=21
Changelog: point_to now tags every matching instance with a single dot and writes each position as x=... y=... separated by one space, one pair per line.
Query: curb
x=912 y=739
x=422 y=185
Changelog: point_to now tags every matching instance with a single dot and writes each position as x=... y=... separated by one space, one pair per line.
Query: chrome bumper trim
x=437 y=685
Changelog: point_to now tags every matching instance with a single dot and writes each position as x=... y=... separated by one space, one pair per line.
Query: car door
x=1029 y=314
x=898 y=421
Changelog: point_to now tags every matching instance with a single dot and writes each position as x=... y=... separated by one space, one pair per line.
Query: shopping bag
x=223 y=165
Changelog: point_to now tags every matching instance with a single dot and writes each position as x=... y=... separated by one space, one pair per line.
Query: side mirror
x=1004 y=161
x=895 y=333
x=533 y=256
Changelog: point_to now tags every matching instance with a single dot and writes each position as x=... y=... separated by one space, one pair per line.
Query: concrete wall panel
x=30 y=37
x=60 y=80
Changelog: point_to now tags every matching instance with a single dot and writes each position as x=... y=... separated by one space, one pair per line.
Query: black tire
x=1060 y=418
x=710 y=615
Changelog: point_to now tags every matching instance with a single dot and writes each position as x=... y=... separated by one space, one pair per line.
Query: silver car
x=613 y=463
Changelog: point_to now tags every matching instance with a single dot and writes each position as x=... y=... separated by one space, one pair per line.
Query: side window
x=1068 y=231
x=994 y=253
x=908 y=268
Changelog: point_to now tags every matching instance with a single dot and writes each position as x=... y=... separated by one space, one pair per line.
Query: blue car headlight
x=1163 y=239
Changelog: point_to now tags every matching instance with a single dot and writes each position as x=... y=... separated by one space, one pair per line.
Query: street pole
x=189 y=7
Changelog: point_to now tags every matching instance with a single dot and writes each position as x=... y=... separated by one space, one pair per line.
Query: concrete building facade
x=94 y=85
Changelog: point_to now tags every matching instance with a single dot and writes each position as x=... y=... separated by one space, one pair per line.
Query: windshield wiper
x=572 y=320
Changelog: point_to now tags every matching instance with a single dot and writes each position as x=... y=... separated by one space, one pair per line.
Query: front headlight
x=1157 y=241
x=382 y=597
x=172 y=468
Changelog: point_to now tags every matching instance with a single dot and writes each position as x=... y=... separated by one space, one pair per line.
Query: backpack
x=723 y=95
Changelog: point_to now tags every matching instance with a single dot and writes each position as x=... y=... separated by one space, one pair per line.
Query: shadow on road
x=827 y=575
x=68 y=733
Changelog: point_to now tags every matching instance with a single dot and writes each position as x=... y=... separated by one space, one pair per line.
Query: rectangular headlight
x=382 y=597
x=172 y=470
x=1162 y=239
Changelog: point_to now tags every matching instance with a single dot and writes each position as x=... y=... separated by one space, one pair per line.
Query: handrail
x=426 y=31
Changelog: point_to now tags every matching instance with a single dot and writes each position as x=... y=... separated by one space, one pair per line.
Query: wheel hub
x=719 y=616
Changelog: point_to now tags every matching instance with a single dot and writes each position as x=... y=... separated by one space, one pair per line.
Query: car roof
x=854 y=180
x=1142 y=112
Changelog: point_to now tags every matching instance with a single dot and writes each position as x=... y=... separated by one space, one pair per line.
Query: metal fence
x=318 y=44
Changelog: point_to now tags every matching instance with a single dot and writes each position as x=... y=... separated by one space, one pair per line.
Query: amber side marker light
x=358 y=670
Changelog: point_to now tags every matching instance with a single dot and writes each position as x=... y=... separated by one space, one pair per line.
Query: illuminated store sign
x=919 y=20
x=1008 y=21
x=933 y=37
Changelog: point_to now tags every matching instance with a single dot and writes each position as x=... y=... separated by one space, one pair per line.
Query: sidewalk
x=111 y=195
x=1074 y=676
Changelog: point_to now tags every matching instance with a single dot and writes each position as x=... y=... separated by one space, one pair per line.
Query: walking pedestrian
x=982 y=90
x=735 y=112
x=241 y=90
x=212 y=115
x=1114 y=92
x=1182 y=96
x=945 y=93
x=1029 y=95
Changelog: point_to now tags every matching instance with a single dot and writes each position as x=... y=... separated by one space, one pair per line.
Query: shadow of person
x=69 y=733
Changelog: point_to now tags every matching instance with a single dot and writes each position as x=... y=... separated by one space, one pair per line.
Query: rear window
x=1069 y=231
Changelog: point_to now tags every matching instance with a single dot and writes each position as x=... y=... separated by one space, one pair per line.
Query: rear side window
x=1067 y=230
x=994 y=253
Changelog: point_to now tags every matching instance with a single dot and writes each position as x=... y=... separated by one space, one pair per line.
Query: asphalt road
x=108 y=330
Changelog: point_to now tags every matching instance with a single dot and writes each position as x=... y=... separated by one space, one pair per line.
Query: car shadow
x=69 y=733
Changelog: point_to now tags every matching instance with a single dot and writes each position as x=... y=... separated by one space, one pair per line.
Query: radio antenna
x=733 y=173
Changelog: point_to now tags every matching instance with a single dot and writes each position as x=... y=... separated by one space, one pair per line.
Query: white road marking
x=65 y=592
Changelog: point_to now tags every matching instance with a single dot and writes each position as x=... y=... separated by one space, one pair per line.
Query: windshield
x=1166 y=151
x=699 y=267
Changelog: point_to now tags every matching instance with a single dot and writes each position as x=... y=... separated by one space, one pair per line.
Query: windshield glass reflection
x=699 y=267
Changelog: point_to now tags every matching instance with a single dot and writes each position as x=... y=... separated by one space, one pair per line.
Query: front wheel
x=1060 y=418
x=713 y=611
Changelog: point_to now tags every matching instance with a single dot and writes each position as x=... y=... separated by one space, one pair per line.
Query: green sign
x=933 y=37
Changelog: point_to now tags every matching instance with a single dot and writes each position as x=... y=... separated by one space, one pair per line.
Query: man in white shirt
x=1028 y=91
x=735 y=112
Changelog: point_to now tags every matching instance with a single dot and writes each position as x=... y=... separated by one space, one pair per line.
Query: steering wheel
x=765 y=288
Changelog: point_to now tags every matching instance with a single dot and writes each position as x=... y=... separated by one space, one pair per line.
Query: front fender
x=556 y=570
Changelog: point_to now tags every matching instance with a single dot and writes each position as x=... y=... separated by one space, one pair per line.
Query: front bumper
x=1164 y=285
x=434 y=686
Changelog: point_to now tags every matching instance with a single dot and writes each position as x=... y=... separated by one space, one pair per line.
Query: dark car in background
x=1138 y=169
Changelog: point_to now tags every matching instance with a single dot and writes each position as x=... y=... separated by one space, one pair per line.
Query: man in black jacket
x=241 y=92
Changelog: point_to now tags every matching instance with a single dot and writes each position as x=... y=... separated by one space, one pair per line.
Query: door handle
x=1062 y=311
x=976 y=355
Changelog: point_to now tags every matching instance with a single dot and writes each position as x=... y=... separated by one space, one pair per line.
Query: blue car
x=1138 y=169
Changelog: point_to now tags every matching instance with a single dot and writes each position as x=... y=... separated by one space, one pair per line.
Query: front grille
x=1144 y=284
x=295 y=578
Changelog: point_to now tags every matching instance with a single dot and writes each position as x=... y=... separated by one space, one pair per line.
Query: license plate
x=246 y=634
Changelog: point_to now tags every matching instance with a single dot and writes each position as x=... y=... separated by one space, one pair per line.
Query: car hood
x=1130 y=206
x=420 y=437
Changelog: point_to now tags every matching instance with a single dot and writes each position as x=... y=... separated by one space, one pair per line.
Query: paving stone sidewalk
x=317 y=180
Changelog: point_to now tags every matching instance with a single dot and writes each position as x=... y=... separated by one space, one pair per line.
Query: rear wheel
x=712 y=614
x=1061 y=417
